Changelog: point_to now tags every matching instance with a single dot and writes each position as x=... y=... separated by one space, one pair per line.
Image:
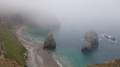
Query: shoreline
x=53 y=55
x=56 y=58
x=37 y=56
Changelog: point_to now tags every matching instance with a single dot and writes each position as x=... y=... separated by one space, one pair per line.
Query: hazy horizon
x=86 y=14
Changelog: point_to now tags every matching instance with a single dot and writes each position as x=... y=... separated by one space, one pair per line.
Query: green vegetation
x=14 y=49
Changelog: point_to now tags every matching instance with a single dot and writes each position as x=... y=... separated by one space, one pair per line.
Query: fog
x=84 y=13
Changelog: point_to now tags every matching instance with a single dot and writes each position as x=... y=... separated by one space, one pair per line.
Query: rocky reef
x=91 y=41
x=112 y=63
x=49 y=42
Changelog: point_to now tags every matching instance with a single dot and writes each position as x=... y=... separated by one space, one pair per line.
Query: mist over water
x=90 y=14
x=75 y=17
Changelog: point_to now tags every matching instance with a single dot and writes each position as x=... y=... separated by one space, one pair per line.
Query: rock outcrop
x=91 y=41
x=112 y=63
x=50 y=42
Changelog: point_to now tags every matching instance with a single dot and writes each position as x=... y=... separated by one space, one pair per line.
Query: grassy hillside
x=13 y=48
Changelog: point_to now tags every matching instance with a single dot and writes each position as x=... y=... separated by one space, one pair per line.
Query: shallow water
x=69 y=41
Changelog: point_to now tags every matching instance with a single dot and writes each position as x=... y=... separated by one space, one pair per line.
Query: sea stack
x=49 y=42
x=91 y=41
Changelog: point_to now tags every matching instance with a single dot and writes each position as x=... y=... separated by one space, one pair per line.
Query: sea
x=70 y=38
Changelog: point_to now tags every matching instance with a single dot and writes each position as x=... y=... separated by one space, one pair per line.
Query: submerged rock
x=50 y=42
x=91 y=41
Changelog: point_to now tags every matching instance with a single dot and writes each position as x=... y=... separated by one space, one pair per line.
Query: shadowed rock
x=91 y=41
x=50 y=42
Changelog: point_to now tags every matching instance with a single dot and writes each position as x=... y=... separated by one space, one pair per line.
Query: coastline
x=54 y=56
x=37 y=56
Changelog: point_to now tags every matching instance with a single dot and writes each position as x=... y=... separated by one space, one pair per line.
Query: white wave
x=59 y=63
x=55 y=58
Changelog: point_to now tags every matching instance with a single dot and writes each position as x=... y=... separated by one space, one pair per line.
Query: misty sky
x=83 y=12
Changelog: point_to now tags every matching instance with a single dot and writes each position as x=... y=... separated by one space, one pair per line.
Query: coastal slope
x=12 y=51
x=112 y=63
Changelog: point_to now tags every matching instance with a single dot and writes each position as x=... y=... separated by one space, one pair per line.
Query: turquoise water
x=69 y=39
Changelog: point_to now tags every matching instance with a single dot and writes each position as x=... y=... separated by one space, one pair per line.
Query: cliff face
x=50 y=42
x=91 y=41
x=112 y=63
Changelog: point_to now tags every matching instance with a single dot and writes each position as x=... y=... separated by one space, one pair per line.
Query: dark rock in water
x=110 y=37
x=113 y=39
x=91 y=41
x=50 y=42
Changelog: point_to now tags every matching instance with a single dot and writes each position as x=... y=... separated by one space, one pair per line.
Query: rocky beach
x=36 y=55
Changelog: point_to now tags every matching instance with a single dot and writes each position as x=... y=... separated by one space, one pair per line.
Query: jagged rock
x=91 y=41
x=50 y=42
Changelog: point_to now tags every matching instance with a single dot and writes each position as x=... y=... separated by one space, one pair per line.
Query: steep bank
x=112 y=63
x=37 y=56
x=13 y=49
